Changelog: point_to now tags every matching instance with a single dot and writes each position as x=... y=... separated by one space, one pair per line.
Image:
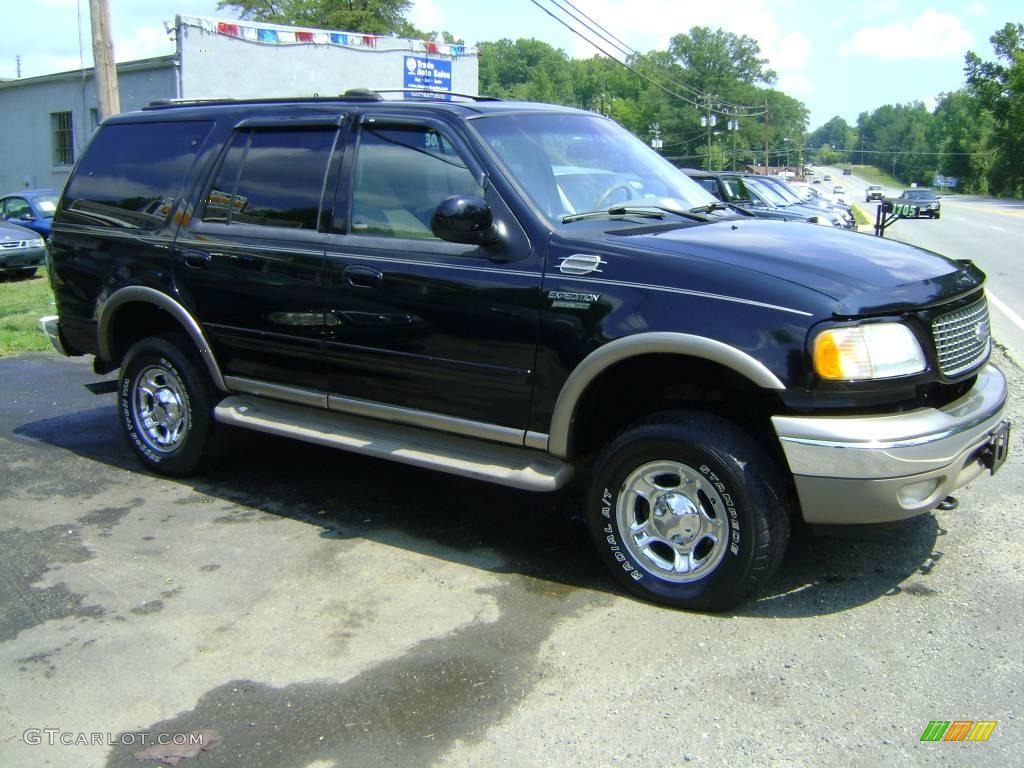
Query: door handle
x=363 y=277
x=197 y=259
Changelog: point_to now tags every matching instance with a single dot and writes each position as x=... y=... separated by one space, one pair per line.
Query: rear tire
x=687 y=510
x=166 y=405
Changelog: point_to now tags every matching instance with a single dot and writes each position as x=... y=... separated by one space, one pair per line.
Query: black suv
x=519 y=293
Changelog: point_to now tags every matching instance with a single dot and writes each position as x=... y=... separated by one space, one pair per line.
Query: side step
x=503 y=464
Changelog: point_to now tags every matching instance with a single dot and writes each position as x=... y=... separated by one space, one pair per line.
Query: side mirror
x=464 y=219
x=26 y=216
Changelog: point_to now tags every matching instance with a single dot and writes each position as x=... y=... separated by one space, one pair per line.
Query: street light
x=656 y=142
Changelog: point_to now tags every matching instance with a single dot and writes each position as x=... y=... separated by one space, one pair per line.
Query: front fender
x=559 y=438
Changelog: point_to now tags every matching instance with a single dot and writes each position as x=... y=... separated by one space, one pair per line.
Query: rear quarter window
x=132 y=174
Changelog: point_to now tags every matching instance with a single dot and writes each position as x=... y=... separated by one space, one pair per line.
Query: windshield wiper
x=647 y=211
x=709 y=208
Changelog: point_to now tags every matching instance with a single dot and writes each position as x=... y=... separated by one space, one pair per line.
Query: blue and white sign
x=428 y=75
x=945 y=181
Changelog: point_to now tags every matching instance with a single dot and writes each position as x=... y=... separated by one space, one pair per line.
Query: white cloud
x=143 y=43
x=425 y=14
x=932 y=35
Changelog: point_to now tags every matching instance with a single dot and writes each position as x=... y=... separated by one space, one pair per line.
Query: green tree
x=714 y=60
x=998 y=87
x=379 y=17
x=526 y=70
x=965 y=130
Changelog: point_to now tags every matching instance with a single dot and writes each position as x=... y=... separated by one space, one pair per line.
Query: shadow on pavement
x=540 y=536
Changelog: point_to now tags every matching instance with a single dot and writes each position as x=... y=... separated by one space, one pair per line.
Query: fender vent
x=581 y=264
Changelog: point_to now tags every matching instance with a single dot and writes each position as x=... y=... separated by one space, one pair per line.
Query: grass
x=873 y=175
x=22 y=303
x=859 y=216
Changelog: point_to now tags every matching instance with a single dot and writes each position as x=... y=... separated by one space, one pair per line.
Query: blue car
x=32 y=208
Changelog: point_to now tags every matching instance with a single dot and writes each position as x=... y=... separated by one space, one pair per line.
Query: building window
x=63 y=138
x=94 y=118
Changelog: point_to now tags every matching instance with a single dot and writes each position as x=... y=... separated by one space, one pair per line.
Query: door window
x=15 y=207
x=272 y=178
x=402 y=173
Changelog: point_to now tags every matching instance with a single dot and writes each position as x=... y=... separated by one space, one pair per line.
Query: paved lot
x=321 y=610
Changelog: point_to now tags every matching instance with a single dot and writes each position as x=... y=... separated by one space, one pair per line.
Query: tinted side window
x=132 y=173
x=401 y=175
x=15 y=206
x=272 y=178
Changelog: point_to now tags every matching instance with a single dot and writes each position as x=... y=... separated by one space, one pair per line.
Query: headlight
x=875 y=351
x=825 y=221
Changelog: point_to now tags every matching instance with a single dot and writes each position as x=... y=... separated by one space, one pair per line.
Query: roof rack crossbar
x=352 y=94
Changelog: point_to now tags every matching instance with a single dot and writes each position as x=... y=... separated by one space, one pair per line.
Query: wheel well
x=135 y=321
x=640 y=386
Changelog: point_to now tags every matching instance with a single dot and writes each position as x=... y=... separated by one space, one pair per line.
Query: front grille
x=12 y=244
x=963 y=338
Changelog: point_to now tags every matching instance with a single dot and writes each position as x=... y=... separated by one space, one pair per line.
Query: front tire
x=686 y=510
x=166 y=406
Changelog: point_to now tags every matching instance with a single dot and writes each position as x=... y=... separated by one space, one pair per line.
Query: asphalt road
x=988 y=231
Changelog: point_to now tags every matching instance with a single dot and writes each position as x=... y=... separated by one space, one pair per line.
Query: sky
x=839 y=58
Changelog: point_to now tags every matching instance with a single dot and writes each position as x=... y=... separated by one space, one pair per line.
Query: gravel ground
x=321 y=610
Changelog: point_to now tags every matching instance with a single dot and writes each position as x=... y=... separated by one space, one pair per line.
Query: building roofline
x=137 y=65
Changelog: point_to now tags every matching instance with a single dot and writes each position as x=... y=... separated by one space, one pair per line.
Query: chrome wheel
x=160 y=408
x=673 y=521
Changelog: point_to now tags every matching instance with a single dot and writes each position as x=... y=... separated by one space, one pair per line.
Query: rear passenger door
x=250 y=262
x=419 y=329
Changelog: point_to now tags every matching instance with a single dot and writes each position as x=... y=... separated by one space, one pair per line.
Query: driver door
x=444 y=331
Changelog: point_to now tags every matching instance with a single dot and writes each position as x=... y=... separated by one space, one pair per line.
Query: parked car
x=840 y=216
x=730 y=187
x=411 y=280
x=22 y=251
x=924 y=200
x=874 y=192
x=32 y=208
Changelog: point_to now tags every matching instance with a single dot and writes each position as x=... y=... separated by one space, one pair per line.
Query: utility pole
x=103 y=59
x=17 y=64
x=766 y=135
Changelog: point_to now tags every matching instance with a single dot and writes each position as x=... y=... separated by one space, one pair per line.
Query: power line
x=629 y=51
x=661 y=86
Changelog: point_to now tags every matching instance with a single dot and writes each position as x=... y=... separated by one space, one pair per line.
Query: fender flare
x=142 y=294
x=594 y=364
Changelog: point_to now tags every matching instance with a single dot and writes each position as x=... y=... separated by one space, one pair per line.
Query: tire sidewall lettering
x=127 y=382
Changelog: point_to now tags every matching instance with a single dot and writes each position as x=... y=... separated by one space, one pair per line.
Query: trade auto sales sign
x=428 y=75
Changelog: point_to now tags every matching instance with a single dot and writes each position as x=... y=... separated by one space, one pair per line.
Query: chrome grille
x=963 y=338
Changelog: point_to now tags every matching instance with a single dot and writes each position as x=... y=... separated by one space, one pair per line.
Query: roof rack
x=352 y=94
x=470 y=96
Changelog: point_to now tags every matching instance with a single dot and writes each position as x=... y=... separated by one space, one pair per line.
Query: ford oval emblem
x=981 y=331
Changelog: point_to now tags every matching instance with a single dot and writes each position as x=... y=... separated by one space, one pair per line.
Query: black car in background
x=925 y=200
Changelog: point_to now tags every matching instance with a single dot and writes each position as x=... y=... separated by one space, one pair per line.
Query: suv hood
x=864 y=274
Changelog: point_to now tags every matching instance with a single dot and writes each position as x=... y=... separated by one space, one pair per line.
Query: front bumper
x=17 y=259
x=876 y=469
x=50 y=326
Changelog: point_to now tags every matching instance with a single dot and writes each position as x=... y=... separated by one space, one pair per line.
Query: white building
x=49 y=119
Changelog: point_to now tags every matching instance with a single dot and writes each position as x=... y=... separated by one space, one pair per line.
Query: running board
x=522 y=468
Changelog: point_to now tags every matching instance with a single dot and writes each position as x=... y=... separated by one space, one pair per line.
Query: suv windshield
x=919 y=194
x=572 y=164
